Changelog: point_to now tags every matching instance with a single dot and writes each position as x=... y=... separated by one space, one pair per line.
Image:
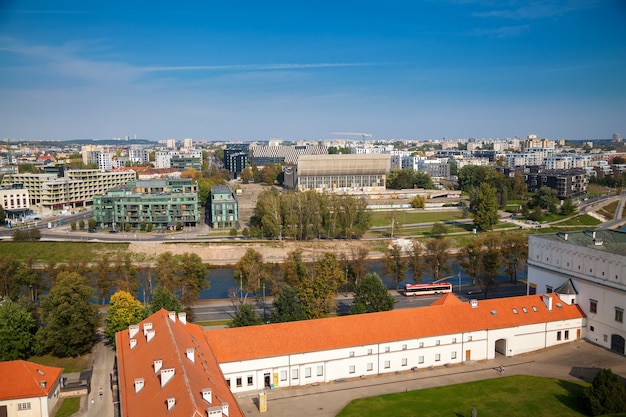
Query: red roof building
x=28 y=389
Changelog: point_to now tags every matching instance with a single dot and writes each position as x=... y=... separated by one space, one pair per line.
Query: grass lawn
x=68 y=364
x=68 y=407
x=383 y=218
x=511 y=396
x=582 y=220
x=59 y=251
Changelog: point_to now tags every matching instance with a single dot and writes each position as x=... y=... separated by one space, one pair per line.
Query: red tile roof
x=445 y=317
x=22 y=379
x=169 y=344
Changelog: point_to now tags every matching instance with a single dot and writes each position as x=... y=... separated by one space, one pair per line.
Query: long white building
x=587 y=268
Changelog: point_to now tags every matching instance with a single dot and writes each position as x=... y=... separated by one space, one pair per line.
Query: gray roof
x=611 y=241
x=566 y=288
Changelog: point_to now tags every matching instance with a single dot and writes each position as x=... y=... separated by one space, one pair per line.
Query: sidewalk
x=575 y=360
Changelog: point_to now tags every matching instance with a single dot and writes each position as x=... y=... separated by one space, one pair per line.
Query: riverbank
x=272 y=251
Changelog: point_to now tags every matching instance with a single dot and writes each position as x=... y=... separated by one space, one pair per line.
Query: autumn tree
x=317 y=291
x=395 y=264
x=436 y=257
x=514 y=251
x=251 y=272
x=490 y=264
x=124 y=272
x=102 y=279
x=294 y=270
x=415 y=261
x=371 y=296
x=69 y=318
x=469 y=258
x=124 y=310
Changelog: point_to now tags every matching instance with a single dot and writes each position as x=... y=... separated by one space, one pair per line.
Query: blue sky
x=254 y=70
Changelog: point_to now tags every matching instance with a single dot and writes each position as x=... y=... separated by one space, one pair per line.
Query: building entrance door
x=617 y=344
x=468 y=354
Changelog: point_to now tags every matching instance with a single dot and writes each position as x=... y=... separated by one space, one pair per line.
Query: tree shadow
x=572 y=398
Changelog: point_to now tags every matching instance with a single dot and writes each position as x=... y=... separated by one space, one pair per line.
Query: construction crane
x=363 y=135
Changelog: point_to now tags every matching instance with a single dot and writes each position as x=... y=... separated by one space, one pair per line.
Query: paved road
x=577 y=360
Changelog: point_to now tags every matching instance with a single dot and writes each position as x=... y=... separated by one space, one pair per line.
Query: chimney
x=42 y=384
x=182 y=316
x=191 y=354
x=139 y=382
x=133 y=343
x=133 y=329
x=474 y=303
x=172 y=315
x=146 y=327
x=207 y=395
x=158 y=364
x=547 y=300
x=166 y=375
x=150 y=334
x=171 y=402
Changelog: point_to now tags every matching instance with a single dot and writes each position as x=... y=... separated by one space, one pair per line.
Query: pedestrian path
x=574 y=360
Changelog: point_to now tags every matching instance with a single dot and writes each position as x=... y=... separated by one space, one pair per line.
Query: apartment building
x=224 y=208
x=161 y=203
x=76 y=188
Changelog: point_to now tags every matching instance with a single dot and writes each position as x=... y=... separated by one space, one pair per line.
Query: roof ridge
x=180 y=362
x=26 y=365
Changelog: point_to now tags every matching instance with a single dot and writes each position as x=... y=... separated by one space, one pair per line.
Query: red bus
x=427 y=289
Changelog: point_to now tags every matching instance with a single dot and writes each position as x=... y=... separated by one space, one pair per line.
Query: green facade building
x=161 y=203
x=224 y=209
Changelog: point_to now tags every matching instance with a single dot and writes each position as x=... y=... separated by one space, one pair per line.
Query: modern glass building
x=161 y=203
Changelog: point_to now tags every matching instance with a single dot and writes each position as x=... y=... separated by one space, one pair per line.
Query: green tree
x=395 y=264
x=125 y=272
x=317 y=291
x=194 y=279
x=81 y=224
x=9 y=265
x=484 y=205
x=73 y=225
x=245 y=315
x=69 y=318
x=17 y=332
x=439 y=229
x=568 y=208
x=286 y=305
x=162 y=298
x=490 y=264
x=3 y=215
x=124 y=310
x=294 y=270
x=514 y=251
x=91 y=223
x=101 y=276
x=606 y=395
x=167 y=271
x=546 y=198
x=371 y=296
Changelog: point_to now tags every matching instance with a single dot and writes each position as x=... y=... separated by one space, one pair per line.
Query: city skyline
x=254 y=71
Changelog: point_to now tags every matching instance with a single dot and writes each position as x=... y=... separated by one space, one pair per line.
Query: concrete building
x=14 y=199
x=182 y=162
x=567 y=182
x=161 y=203
x=224 y=213
x=236 y=158
x=28 y=389
x=138 y=154
x=166 y=368
x=340 y=172
x=283 y=154
x=588 y=269
x=105 y=161
x=75 y=189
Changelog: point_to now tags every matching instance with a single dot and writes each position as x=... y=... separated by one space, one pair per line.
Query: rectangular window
x=591 y=328
x=238 y=381
x=294 y=374
x=403 y=347
x=283 y=375
x=387 y=349
x=249 y=380
x=352 y=369
x=23 y=406
x=370 y=366
x=352 y=354
x=421 y=344
x=453 y=355
x=369 y=351
x=420 y=359
x=558 y=335
x=228 y=382
x=454 y=340
x=469 y=338
x=593 y=306
x=437 y=357
x=605 y=337
x=320 y=370
x=404 y=361
x=619 y=315
x=387 y=364
x=438 y=342
x=549 y=289
x=307 y=372
x=566 y=334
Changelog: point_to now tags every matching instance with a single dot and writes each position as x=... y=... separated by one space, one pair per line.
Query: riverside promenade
x=577 y=360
